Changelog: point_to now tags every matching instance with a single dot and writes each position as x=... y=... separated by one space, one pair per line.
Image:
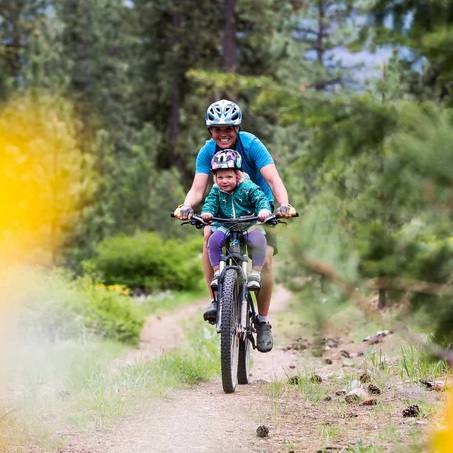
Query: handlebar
x=198 y=221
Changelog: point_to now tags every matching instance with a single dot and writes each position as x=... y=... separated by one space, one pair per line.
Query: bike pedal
x=210 y=319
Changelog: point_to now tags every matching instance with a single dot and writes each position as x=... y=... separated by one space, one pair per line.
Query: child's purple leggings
x=256 y=240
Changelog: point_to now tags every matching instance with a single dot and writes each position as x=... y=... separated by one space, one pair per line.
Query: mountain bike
x=236 y=313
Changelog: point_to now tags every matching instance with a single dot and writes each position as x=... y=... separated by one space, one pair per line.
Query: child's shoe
x=215 y=280
x=254 y=280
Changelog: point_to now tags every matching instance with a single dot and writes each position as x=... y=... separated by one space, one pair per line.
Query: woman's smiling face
x=224 y=136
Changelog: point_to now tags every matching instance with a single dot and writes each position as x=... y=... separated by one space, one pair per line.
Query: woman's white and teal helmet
x=223 y=113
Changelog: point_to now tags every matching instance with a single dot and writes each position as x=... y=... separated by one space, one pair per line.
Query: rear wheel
x=229 y=340
x=244 y=361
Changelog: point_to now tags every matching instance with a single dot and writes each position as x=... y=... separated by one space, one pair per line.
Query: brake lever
x=197 y=223
x=271 y=222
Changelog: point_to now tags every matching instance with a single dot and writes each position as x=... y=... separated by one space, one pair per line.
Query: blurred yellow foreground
x=43 y=177
x=442 y=440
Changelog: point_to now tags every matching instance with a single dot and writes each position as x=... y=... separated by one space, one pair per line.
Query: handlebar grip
x=292 y=215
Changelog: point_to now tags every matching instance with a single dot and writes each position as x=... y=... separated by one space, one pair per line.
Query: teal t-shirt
x=254 y=155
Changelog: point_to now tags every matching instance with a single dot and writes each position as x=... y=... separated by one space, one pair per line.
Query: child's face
x=227 y=179
x=224 y=136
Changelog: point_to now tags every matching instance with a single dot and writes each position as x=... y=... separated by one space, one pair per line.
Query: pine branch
x=322 y=84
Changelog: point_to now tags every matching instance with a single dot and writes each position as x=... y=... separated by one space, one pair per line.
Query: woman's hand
x=183 y=212
x=286 y=211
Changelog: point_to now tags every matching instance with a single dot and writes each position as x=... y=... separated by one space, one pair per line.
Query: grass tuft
x=275 y=389
x=415 y=365
x=360 y=447
x=311 y=391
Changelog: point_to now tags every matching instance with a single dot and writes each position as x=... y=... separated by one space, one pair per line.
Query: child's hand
x=264 y=214
x=206 y=216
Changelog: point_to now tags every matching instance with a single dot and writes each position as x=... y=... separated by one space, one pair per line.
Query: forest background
x=102 y=116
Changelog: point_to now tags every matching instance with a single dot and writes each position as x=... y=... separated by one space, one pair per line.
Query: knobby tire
x=245 y=348
x=229 y=341
x=244 y=361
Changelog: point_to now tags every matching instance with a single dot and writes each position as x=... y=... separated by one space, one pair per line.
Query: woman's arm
x=196 y=192
x=272 y=177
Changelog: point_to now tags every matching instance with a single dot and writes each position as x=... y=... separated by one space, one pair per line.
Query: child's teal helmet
x=223 y=113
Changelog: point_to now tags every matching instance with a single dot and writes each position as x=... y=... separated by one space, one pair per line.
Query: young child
x=235 y=195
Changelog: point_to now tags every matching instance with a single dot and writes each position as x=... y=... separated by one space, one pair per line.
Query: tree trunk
x=382 y=299
x=321 y=32
x=175 y=102
x=173 y=117
x=229 y=37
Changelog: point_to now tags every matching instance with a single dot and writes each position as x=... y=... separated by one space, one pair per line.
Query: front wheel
x=229 y=340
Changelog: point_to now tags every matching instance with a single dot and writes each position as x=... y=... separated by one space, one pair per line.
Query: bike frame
x=237 y=258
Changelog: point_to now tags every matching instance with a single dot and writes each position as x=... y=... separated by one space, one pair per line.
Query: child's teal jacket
x=246 y=199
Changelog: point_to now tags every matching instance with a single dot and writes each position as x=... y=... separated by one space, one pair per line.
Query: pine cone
x=365 y=377
x=293 y=380
x=262 y=431
x=411 y=411
x=316 y=379
x=374 y=390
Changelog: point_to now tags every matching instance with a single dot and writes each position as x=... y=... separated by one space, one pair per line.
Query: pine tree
x=424 y=31
x=19 y=22
x=177 y=37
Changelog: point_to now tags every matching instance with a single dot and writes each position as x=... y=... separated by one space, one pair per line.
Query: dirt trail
x=160 y=334
x=199 y=419
x=302 y=417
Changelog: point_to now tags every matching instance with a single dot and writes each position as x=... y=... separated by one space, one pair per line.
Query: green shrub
x=111 y=314
x=147 y=262
x=58 y=307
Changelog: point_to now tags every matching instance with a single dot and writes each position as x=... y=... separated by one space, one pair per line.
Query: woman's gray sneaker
x=264 y=341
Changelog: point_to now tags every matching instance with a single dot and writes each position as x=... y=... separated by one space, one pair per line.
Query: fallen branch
x=413 y=286
x=350 y=292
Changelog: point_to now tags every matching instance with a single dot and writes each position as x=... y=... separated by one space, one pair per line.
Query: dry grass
x=313 y=417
